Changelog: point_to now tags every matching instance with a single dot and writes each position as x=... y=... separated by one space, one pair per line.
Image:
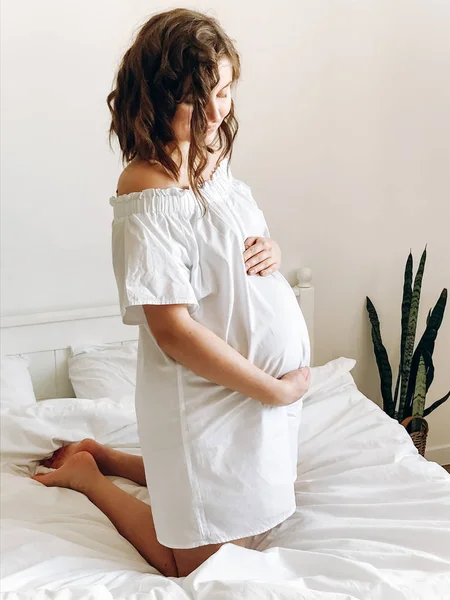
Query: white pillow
x=104 y=371
x=16 y=387
x=327 y=374
x=31 y=433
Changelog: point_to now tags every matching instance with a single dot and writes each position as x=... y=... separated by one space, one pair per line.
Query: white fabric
x=217 y=463
x=372 y=520
x=16 y=387
x=104 y=371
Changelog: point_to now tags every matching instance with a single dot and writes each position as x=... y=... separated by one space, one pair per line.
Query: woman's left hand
x=262 y=256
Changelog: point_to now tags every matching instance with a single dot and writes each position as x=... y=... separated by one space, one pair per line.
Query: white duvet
x=372 y=519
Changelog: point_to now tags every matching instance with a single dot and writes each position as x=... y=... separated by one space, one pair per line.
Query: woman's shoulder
x=141 y=175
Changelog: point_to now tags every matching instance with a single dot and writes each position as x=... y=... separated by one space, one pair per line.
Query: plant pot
x=419 y=436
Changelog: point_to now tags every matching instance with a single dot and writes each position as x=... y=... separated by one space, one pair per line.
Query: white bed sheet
x=372 y=519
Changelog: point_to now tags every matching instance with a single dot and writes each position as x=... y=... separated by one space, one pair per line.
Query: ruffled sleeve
x=153 y=255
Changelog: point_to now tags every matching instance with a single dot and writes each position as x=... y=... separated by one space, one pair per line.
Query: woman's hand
x=296 y=384
x=262 y=256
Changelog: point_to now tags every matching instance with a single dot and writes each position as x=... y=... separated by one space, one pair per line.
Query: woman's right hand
x=295 y=385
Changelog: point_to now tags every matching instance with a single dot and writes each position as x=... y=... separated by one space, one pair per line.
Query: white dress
x=219 y=465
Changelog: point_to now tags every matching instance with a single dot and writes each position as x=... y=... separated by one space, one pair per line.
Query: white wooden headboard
x=45 y=338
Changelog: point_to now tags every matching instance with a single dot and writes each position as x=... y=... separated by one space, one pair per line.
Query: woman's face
x=218 y=107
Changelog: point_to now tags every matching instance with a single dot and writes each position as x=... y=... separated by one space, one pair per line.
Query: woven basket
x=419 y=438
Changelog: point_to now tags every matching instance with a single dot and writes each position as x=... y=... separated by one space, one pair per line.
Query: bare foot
x=78 y=472
x=63 y=454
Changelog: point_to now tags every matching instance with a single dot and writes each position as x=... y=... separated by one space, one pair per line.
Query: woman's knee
x=164 y=561
x=189 y=559
x=170 y=570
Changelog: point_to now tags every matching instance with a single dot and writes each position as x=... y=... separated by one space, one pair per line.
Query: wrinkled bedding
x=372 y=519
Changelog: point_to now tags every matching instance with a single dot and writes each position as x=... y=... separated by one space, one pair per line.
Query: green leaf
x=420 y=390
x=425 y=347
x=406 y=307
x=406 y=304
x=384 y=367
x=430 y=367
x=430 y=409
x=411 y=335
x=435 y=320
x=421 y=352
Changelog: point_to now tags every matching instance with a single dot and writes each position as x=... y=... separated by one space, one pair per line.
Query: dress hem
x=229 y=539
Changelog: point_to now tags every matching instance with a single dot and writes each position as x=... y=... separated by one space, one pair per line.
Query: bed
x=372 y=519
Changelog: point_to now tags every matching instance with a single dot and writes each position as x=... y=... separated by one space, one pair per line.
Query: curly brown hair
x=175 y=56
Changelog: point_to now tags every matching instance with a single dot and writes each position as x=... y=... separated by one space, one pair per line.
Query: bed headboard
x=45 y=338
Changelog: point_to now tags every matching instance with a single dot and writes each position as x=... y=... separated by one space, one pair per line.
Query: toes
x=48 y=462
x=52 y=460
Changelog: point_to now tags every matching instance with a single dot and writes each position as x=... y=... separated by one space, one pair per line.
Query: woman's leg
x=109 y=461
x=188 y=560
x=113 y=462
x=132 y=518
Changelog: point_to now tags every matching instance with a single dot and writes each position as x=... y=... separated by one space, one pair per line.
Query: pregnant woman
x=223 y=346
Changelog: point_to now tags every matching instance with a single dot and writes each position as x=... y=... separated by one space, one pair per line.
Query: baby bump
x=279 y=340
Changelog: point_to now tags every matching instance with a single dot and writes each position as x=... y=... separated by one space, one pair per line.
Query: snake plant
x=416 y=369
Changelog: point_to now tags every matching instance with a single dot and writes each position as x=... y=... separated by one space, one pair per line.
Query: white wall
x=345 y=139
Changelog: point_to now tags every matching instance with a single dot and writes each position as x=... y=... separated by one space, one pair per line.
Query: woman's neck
x=183 y=152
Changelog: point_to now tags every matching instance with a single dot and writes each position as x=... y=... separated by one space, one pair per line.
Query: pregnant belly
x=278 y=337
